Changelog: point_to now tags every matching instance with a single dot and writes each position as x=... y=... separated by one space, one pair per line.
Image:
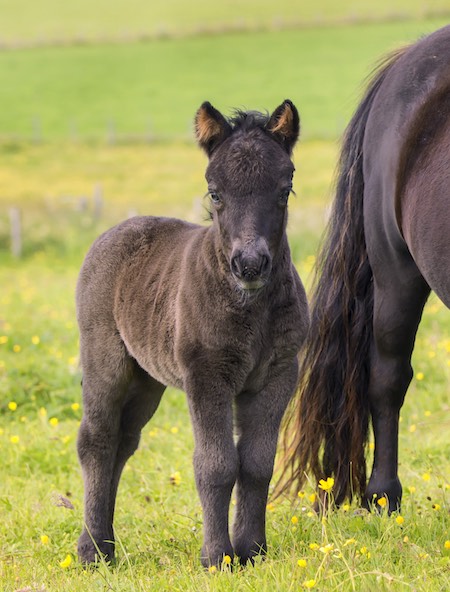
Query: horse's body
x=387 y=246
x=217 y=311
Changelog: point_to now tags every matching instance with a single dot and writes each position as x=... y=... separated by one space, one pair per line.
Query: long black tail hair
x=326 y=429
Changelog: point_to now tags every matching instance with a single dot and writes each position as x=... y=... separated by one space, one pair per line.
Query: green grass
x=143 y=89
x=50 y=20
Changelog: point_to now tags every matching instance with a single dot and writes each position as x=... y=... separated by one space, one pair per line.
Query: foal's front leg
x=215 y=463
x=258 y=419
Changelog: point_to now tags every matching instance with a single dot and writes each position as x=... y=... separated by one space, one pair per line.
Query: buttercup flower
x=175 y=478
x=382 y=502
x=309 y=584
x=66 y=562
x=326 y=484
x=12 y=405
x=303 y=563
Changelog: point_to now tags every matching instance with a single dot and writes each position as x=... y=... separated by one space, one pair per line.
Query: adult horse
x=387 y=245
x=218 y=311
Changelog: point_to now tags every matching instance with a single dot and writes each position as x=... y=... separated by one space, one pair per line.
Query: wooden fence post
x=16 y=231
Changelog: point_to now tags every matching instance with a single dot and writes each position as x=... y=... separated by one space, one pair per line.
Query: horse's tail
x=327 y=426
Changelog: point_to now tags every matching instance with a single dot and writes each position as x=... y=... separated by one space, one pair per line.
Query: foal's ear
x=284 y=125
x=211 y=127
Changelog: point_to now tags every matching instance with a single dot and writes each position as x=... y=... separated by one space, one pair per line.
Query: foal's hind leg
x=113 y=415
x=258 y=418
x=142 y=399
x=398 y=304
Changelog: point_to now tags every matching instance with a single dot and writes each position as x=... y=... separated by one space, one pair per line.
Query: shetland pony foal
x=217 y=311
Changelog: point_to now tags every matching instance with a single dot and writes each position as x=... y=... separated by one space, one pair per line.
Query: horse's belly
x=156 y=357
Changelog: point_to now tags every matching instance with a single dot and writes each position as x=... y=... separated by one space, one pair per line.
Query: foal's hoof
x=247 y=553
x=217 y=559
x=91 y=553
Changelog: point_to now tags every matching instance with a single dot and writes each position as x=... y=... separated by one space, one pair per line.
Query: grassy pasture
x=146 y=89
x=158 y=515
x=50 y=21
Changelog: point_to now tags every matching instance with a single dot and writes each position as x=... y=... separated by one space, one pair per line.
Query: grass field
x=49 y=20
x=69 y=100
x=108 y=92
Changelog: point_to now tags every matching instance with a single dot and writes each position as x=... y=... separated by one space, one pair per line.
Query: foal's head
x=249 y=181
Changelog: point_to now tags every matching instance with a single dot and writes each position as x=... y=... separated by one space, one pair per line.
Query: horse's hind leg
x=113 y=415
x=398 y=304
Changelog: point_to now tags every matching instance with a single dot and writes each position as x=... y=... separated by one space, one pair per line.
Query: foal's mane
x=248 y=120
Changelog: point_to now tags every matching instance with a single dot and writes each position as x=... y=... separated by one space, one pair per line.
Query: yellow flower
x=14 y=439
x=301 y=494
x=16 y=348
x=399 y=520
x=53 y=421
x=12 y=405
x=174 y=430
x=42 y=412
x=382 y=502
x=44 y=539
x=447 y=545
x=427 y=413
x=312 y=497
x=212 y=569
x=175 y=478
x=75 y=406
x=426 y=476
x=346 y=507
x=420 y=376
x=412 y=489
x=326 y=549
x=363 y=551
x=35 y=340
x=309 y=584
x=406 y=539
x=66 y=562
x=3 y=339
x=348 y=542
x=303 y=563
x=326 y=485
x=226 y=560
x=412 y=428
x=294 y=520
x=436 y=507
x=313 y=546
x=270 y=507
x=371 y=445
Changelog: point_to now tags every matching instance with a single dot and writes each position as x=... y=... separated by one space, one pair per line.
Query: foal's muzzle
x=251 y=267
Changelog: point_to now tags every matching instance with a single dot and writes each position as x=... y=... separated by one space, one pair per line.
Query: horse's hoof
x=90 y=553
x=390 y=492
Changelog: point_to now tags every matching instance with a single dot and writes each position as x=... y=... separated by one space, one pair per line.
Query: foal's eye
x=215 y=198
x=284 y=196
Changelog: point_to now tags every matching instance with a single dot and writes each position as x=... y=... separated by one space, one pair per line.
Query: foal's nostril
x=265 y=263
x=235 y=267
